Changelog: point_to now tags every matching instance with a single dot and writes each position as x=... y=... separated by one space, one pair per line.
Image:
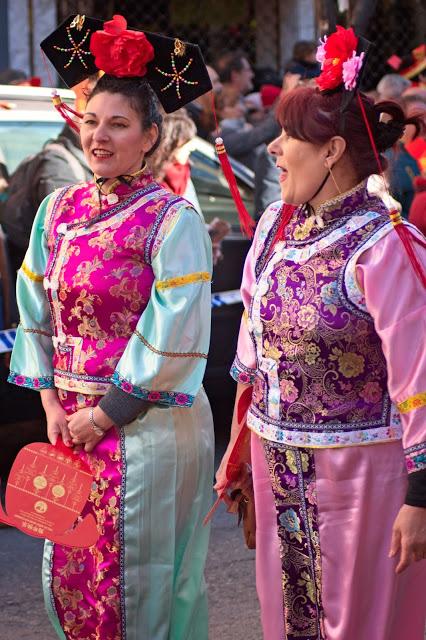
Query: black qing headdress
x=83 y=46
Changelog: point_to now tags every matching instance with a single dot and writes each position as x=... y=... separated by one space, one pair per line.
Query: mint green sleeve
x=31 y=363
x=165 y=359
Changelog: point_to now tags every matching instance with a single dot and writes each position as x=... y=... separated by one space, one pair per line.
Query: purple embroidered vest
x=99 y=277
x=321 y=373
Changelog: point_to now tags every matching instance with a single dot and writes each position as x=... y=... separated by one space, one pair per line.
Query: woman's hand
x=409 y=536
x=56 y=417
x=81 y=429
x=238 y=479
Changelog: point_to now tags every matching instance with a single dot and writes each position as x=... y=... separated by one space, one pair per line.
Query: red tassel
x=246 y=222
x=63 y=108
x=408 y=239
x=286 y=214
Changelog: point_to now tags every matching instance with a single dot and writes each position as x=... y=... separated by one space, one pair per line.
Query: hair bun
x=388 y=133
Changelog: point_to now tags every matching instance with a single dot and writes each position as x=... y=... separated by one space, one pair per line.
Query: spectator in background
x=391 y=87
x=403 y=166
x=201 y=109
x=170 y=162
x=417 y=214
x=170 y=167
x=304 y=60
x=18 y=78
x=235 y=73
x=232 y=112
x=14 y=76
x=61 y=162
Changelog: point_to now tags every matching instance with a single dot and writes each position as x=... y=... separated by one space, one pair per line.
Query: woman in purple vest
x=331 y=347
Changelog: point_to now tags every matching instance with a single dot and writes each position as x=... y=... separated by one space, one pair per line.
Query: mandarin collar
x=119 y=191
x=304 y=226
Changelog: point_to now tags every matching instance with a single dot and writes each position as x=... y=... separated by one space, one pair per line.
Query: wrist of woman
x=101 y=419
x=49 y=399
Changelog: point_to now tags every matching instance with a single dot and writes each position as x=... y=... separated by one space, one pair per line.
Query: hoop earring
x=334 y=180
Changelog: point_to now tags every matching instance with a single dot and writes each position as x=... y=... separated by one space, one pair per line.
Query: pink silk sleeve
x=244 y=366
x=396 y=300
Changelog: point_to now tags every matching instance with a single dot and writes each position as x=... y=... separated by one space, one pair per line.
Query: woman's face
x=112 y=137
x=302 y=167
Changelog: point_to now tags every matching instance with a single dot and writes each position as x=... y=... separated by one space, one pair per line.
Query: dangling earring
x=334 y=180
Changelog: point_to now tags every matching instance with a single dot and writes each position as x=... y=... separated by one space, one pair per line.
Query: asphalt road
x=234 y=611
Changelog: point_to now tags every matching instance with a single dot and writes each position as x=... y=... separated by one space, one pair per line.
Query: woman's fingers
x=405 y=558
x=395 y=543
x=52 y=433
x=66 y=436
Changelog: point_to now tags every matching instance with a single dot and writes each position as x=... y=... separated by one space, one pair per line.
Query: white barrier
x=7 y=339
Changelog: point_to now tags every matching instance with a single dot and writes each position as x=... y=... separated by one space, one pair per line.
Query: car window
x=21 y=139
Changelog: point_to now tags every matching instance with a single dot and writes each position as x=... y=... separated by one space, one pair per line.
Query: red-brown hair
x=307 y=114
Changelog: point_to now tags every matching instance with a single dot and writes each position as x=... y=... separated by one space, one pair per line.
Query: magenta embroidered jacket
x=118 y=294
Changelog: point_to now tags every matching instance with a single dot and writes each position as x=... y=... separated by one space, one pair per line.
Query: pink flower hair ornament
x=351 y=70
x=341 y=56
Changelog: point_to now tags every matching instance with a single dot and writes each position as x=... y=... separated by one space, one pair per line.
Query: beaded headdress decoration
x=82 y=46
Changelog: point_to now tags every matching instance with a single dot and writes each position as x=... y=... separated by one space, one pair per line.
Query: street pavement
x=234 y=611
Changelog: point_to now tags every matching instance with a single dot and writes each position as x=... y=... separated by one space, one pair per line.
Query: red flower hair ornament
x=339 y=61
x=121 y=52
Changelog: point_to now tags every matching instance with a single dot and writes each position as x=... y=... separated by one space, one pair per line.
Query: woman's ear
x=150 y=138
x=336 y=147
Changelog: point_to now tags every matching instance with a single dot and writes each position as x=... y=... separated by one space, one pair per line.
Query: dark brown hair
x=178 y=129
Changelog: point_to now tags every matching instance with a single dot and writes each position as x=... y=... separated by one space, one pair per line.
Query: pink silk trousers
x=359 y=493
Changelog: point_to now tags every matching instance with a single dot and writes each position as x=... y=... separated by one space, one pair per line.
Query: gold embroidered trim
x=334 y=202
x=414 y=402
x=38 y=331
x=169 y=354
x=201 y=276
x=30 y=274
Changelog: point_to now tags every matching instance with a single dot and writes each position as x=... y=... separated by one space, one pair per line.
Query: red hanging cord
x=246 y=222
x=406 y=236
x=59 y=105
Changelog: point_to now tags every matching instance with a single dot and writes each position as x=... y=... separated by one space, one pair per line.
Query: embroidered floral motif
x=329 y=373
x=81 y=577
x=42 y=382
x=241 y=373
x=128 y=289
x=292 y=474
x=85 y=271
x=414 y=402
x=319 y=434
x=415 y=457
x=180 y=281
x=172 y=398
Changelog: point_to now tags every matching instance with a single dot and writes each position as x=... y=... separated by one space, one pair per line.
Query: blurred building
x=265 y=29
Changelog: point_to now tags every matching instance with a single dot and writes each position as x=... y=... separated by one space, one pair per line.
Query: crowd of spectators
x=241 y=108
